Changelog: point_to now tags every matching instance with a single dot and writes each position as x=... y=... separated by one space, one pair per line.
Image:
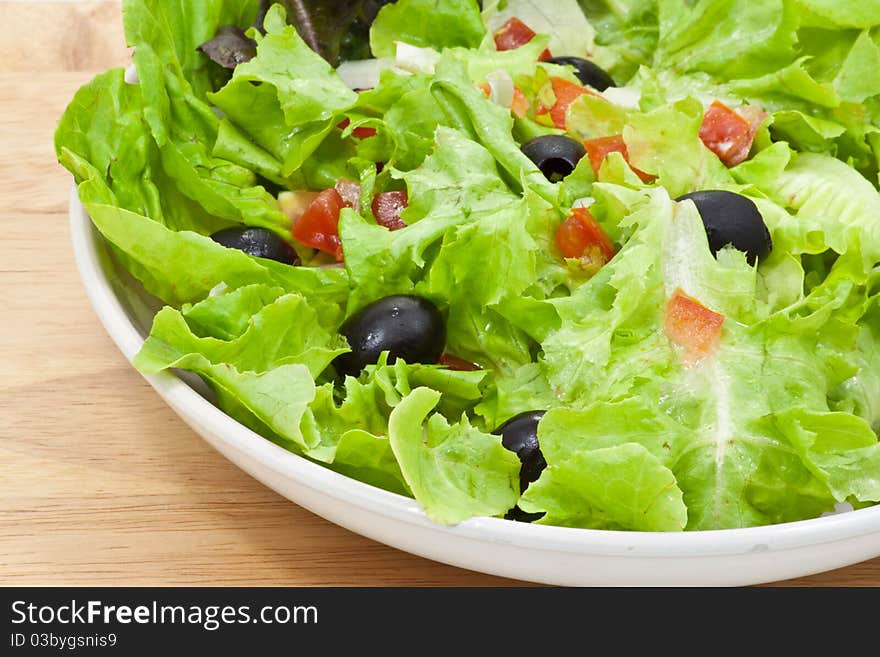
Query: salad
x=599 y=264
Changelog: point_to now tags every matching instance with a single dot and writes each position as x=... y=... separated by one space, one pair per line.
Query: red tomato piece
x=728 y=133
x=318 y=227
x=565 y=93
x=520 y=104
x=486 y=88
x=692 y=326
x=350 y=192
x=362 y=132
x=581 y=236
x=598 y=149
x=457 y=364
x=387 y=208
x=513 y=34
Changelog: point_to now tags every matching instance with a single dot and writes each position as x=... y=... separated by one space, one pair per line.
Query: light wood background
x=101 y=483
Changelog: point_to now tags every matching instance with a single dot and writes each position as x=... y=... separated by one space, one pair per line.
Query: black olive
x=520 y=434
x=555 y=155
x=732 y=219
x=257 y=242
x=586 y=71
x=407 y=327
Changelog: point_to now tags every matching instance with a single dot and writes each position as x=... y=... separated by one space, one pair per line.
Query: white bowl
x=552 y=555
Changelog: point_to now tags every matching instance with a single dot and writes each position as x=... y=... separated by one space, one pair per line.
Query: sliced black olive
x=257 y=242
x=586 y=71
x=520 y=435
x=555 y=155
x=519 y=515
x=408 y=327
x=732 y=219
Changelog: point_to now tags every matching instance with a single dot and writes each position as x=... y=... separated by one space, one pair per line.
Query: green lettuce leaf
x=268 y=393
x=621 y=487
x=175 y=79
x=102 y=138
x=426 y=24
x=298 y=97
x=454 y=470
x=456 y=185
x=198 y=263
x=702 y=36
x=626 y=34
x=297 y=337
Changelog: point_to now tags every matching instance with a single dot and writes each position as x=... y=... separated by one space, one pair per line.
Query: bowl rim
x=86 y=241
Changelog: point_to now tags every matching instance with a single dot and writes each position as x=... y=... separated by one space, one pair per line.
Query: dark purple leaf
x=323 y=24
x=230 y=47
x=335 y=29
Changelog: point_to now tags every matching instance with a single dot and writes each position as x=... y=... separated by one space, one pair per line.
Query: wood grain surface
x=100 y=482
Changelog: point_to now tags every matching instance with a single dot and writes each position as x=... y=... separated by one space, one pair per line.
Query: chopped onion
x=839 y=507
x=131 y=75
x=363 y=73
x=585 y=202
x=415 y=59
x=501 y=88
x=623 y=97
x=218 y=289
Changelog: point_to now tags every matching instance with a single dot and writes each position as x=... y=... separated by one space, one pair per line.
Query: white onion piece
x=415 y=59
x=623 y=97
x=131 y=75
x=585 y=202
x=501 y=88
x=840 y=507
x=363 y=73
x=218 y=289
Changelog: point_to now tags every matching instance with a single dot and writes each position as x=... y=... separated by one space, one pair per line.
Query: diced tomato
x=565 y=93
x=387 y=208
x=598 y=149
x=361 y=132
x=364 y=132
x=728 y=133
x=520 y=104
x=514 y=34
x=350 y=192
x=692 y=326
x=581 y=236
x=486 y=88
x=457 y=364
x=318 y=227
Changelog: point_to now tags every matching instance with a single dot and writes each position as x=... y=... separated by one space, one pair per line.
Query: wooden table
x=100 y=482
